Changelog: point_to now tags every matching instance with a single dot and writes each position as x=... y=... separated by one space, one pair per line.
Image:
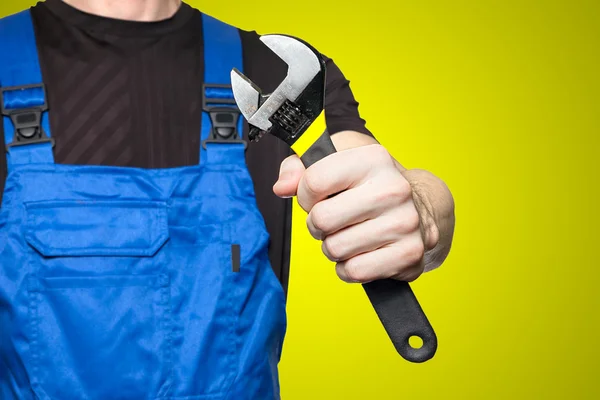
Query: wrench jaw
x=249 y=98
x=290 y=109
x=245 y=92
x=293 y=118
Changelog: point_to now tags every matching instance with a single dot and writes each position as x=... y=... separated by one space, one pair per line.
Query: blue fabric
x=25 y=98
x=19 y=67
x=118 y=283
x=222 y=53
x=219 y=93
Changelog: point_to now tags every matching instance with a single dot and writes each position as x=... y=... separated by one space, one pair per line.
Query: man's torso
x=125 y=93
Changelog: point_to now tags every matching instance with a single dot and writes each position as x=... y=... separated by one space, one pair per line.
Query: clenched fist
x=371 y=221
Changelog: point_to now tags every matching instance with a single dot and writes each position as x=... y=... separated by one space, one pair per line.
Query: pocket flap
x=96 y=228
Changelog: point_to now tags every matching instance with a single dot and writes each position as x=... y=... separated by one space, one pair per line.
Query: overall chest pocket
x=99 y=300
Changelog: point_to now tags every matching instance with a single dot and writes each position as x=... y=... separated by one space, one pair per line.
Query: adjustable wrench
x=287 y=113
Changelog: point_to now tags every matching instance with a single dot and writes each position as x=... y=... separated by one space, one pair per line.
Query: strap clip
x=224 y=116
x=27 y=121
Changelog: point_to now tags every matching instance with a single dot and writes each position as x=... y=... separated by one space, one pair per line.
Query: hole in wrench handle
x=394 y=301
x=402 y=317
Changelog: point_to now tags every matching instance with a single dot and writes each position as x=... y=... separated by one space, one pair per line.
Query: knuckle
x=398 y=192
x=410 y=274
x=312 y=229
x=314 y=182
x=320 y=218
x=333 y=249
x=381 y=154
x=401 y=223
x=355 y=271
x=391 y=229
x=403 y=189
x=410 y=221
x=414 y=253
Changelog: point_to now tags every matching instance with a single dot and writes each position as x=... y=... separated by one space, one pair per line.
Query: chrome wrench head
x=295 y=103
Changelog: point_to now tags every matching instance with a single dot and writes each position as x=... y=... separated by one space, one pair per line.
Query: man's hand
x=375 y=225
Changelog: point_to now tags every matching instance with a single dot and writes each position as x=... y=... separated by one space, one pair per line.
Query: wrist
x=418 y=180
x=435 y=205
x=429 y=226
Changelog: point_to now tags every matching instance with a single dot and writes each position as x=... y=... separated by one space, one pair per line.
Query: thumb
x=290 y=172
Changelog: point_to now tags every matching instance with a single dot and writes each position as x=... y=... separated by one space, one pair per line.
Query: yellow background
x=501 y=100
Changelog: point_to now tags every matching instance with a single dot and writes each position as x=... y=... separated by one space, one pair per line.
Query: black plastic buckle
x=26 y=121
x=224 y=118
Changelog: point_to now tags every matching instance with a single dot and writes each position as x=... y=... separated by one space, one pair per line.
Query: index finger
x=338 y=172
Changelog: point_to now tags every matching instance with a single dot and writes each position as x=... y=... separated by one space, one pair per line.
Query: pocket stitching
x=158 y=283
x=34 y=300
x=161 y=220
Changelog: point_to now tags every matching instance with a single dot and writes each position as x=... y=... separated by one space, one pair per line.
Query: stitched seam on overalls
x=167 y=321
x=34 y=300
x=211 y=396
x=161 y=220
x=159 y=286
x=122 y=171
x=235 y=318
x=225 y=238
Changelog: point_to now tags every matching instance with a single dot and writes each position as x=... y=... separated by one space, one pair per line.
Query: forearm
x=432 y=198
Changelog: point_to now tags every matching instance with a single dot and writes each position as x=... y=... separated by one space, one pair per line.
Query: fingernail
x=285 y=171
x=280 y=196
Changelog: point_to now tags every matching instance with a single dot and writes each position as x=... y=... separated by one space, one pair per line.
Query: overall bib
x=122 y=283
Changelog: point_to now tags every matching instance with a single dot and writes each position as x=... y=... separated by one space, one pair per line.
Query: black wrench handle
x=394 y=301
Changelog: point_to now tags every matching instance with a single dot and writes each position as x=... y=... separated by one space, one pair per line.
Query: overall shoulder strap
x=22 y=94
x=222 y=125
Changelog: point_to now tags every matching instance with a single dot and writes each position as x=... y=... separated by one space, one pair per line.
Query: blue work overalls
x=128 y=283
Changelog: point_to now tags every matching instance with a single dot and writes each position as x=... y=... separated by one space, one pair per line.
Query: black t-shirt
x=125 y=93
